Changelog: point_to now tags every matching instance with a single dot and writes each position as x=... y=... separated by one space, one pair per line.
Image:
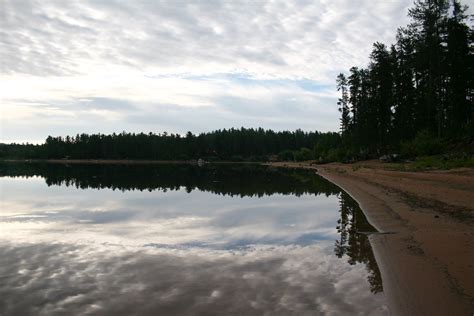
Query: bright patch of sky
x=70 y=67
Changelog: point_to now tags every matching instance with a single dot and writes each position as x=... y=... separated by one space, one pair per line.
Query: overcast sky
x=106 y=66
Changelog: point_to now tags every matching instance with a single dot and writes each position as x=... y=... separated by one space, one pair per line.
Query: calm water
x=181 y=239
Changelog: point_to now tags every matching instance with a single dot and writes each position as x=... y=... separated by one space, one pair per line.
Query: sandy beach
x=425 y=248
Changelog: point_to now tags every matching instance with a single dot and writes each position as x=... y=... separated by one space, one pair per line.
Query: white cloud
x=166 y=57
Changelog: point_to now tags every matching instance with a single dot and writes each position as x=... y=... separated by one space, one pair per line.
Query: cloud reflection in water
x=51 y=279
x=182 y=251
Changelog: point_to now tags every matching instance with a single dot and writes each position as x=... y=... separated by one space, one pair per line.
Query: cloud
x=254 y=63
x=274 y=39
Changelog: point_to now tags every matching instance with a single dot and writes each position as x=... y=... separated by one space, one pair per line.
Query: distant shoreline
x=426 y=258
x=124 y=161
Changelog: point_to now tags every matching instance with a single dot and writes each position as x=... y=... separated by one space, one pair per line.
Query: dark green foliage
x=237 y=158
x=221 y=145
x=422 y=85
x=304 y=154
x=444 y=162
x=19 y=151
x=424 y=144
x=286 y=155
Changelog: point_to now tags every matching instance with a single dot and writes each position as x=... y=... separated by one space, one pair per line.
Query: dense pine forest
x=232 y=144
x=415 y=98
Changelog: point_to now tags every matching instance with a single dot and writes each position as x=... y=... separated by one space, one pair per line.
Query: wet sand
x=426 y=246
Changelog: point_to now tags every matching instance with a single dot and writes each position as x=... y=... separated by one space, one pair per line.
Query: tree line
x=417 y=92
x=227 y=144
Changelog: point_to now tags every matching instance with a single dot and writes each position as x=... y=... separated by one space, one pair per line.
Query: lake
x=171 y=239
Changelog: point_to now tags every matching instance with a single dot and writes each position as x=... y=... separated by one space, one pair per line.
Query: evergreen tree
x=422 y=85
x=343 y=104
x=460 y=71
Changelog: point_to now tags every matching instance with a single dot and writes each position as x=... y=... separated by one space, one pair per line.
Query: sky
x=105 y=66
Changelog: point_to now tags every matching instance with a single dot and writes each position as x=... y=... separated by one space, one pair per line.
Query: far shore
x=426 y=254
x=123 y=161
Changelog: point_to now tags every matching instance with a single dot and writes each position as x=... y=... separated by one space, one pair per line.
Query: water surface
x=181 y=239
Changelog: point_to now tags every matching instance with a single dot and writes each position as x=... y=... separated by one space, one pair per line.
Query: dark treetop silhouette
x=421 y=85
x=232 y=144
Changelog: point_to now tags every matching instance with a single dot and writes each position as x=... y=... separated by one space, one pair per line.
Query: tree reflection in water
x=353 y=229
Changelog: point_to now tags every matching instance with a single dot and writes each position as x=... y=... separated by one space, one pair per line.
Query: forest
x=415 y=98
x=232 y=144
